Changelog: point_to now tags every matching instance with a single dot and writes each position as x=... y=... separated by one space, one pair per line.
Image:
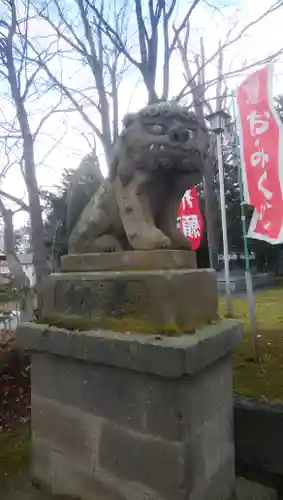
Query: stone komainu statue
x=158 y=156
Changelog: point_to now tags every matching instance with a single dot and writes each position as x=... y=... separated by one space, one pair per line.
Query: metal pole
x=224 y=225
x=248 y=276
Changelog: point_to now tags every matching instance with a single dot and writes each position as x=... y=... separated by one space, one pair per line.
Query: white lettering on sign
x=268 y=195
x=258 y=124
x=187 y=198
x=259 y=156
x=191 y=227
x=252 y=90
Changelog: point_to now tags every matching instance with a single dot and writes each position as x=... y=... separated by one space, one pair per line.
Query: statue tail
x=84 y=183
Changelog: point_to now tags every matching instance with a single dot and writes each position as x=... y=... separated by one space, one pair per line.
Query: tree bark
x=20 y=280
x=37 y=229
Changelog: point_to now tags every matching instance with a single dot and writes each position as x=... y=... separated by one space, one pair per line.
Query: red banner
x=190 y=220
x=261 y=140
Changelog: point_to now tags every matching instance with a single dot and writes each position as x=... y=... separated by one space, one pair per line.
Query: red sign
x=261 y=136
x=190 y=219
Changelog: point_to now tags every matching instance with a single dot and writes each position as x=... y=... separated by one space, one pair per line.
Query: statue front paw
x=163 y=242
x=150 y=239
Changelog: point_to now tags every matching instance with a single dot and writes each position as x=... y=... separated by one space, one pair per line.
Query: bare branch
x=44 y=119
x=113 y=35
x=64 y=89
x=16 y=200
x=183 y=25
x=142 y=32
x=232 y=41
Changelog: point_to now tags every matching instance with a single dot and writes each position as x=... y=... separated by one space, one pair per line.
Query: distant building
x=26 y=260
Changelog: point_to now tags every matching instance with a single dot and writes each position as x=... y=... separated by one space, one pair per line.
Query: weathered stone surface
x=130 y=261
x=174 y=470
x=151 y=301
x=171 y=357
x=67 y=476
x=159 y=155
x=213 y=443
x=174 y=412
x=221 y=485
x=148 y=404
x=40 y=465
x=153 y=462
x=213 y=343
x=69 y=430
x=97 y=390
x=70 y=478
x=126 y=417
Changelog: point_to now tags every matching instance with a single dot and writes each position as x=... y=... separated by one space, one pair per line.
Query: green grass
x=14 y=451
x=264 y=379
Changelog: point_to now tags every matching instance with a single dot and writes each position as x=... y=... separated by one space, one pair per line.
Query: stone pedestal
x=144 y=291
x=133 y=417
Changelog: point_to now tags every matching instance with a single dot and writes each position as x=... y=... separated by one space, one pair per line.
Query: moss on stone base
x=127 y=324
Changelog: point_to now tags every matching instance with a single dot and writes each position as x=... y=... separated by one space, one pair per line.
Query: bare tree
x=101 y=38
x=19 y=278
x=234 y=35
x=13 y=53
x=209 y=95
x=20 y=74
x=93 y=88
x=149 y=25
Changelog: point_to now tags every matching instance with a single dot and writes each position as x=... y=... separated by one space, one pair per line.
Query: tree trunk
x=37 y=230
x=20 y=280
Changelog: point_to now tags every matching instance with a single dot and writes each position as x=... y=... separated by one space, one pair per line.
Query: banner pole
x=224 y=225
x=248 y=276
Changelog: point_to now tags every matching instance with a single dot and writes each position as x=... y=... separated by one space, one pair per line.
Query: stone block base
x=153 y=300
x=137 y=260
x=130 y=417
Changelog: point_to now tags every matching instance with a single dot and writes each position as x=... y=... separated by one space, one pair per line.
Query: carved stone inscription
x=112 y=298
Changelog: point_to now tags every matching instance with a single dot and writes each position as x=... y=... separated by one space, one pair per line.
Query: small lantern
x=218 y=121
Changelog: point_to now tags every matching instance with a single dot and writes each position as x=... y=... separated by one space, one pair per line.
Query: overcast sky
x=265 y=38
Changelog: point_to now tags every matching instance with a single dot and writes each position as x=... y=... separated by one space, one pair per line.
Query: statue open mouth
x=168 y=157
